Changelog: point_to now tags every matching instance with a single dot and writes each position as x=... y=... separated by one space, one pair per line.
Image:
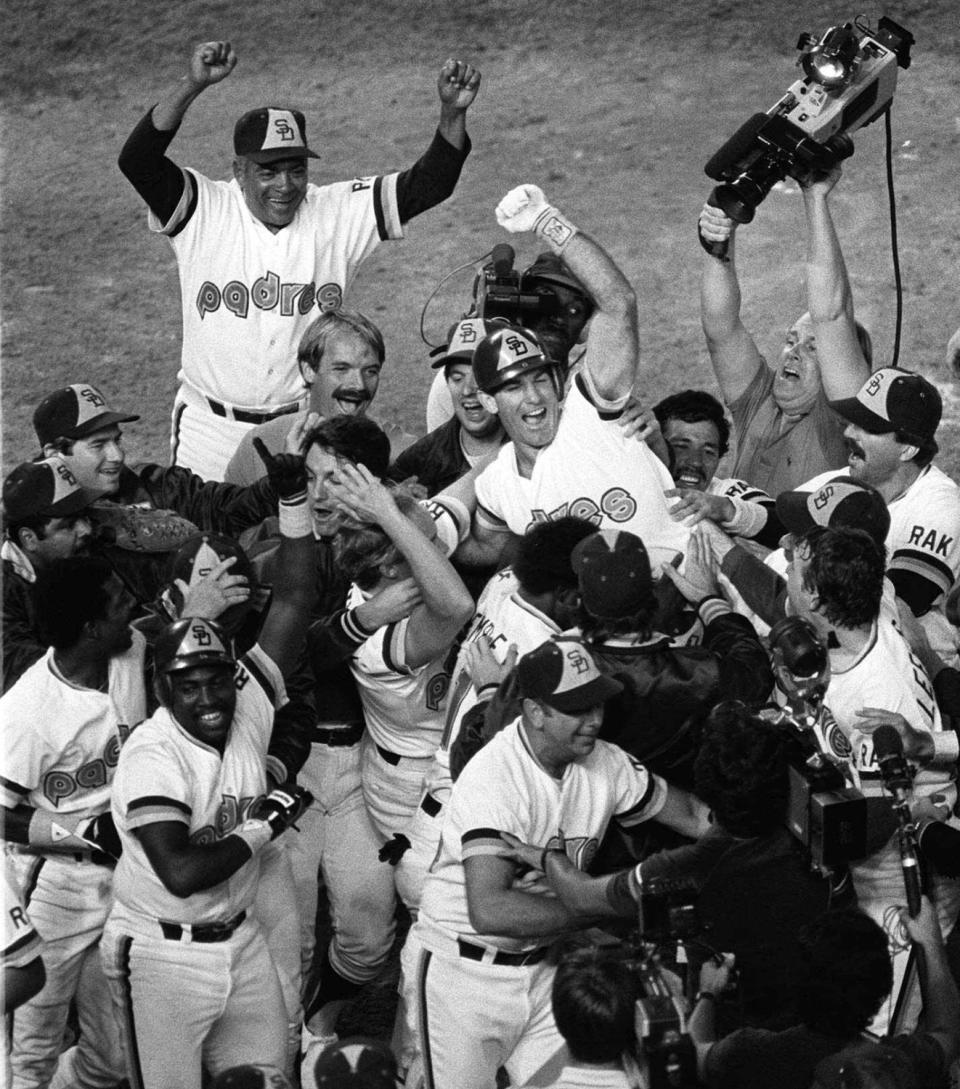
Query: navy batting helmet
x=506 y=354
x=191 y=642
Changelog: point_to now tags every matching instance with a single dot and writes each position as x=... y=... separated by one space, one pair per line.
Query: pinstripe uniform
x=183 y=1002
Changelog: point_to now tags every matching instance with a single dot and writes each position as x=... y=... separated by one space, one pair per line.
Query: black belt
x=202 y=932
x=242 y=416
x=430 y=805
x=390 y=757
x=349 y=735
x=515 y=960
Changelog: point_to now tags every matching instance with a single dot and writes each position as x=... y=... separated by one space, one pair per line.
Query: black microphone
x=503 y=255
x=898 y=779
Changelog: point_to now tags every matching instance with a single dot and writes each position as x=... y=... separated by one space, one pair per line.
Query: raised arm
x=445 y=603
x=612 y=356
x=733 y=353
x=843 y=367
x=158 y=180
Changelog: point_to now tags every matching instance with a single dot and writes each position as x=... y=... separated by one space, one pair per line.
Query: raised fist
x=458 y=84
x=283 y=807
x=521 y=208
x=287 y=472
x=211 y=62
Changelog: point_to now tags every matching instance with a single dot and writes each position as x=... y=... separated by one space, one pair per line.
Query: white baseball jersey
x=503 y=617
x=504 y=789
x=590 y=470
x=21 y=943
x=166 y=774
x=248 y=294
x=924 y=539
x=61 y=743
x=887 y=675
x=403 y=708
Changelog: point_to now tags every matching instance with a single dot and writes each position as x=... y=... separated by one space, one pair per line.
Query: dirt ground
x=612 y=108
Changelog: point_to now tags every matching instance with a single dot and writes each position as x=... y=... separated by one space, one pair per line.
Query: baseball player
x=835 y=581
x=23 y=971
x=261 y=255
x=482 y=987
x=581 y=463
x=401 y=670
x=65 y=720
x=189 y=968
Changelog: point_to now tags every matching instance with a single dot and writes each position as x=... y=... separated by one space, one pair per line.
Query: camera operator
x=753 y=884
x=786 y=431
x=845 y=975
x=835 y=580
x=559 y=322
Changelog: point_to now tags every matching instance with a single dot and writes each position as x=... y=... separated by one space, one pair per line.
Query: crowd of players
x=509 y=674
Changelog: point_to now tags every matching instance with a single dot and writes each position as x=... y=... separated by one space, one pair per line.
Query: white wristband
x=295 y=518
x=255 y=834
x=554 y=228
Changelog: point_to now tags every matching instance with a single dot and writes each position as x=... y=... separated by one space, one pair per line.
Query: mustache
x=358 y=395
x=854 y=447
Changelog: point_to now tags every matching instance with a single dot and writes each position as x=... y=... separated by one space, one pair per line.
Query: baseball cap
x=549 y=268
x=894 y=400
x=463 y=337
x=271 y=133
x=841 y=501
x=562 y=673
x=190 y=642
x=614 y=572
x=45 y=489
x=251 y=1076
x=357 y=1062
x=74 y=412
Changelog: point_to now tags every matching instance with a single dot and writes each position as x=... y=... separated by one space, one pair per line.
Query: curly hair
x=845 y=570
x=541 y=560
x=740 y=770
x=69 y=594
x=844 y=974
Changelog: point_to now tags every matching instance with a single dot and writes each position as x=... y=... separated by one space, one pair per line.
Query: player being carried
x=260 y=256
x=582 y=463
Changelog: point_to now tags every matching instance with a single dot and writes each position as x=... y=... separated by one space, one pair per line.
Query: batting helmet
x=506 y=354
x=197 y=557
x=251 y=1076
x=191 y=642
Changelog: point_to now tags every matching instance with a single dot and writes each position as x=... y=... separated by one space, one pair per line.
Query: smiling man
x=786 y=431
x=341 y=357
x=261 y=255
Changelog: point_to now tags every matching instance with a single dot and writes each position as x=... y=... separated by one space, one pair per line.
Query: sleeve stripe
x=378 y=209
x=253 y=667
x=606 y=410
x=352 y=628
x=923 y=564
x=385 y=207
x=157 y=814
x=636 y=813
x=157 y=800
x=486 y=517
x=14 y=788
x=481 y=834
x=393 y=648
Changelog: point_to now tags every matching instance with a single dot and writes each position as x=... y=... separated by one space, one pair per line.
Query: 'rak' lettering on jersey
x=94 y=774
x=937 y=543
x=617 y=504
x=268 y=293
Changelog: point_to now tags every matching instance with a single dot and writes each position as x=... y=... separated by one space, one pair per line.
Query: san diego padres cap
x=44 y=489
x=562 y=673
x=272 y=133
x=894 y=400
x=464 y=336
x=358 y=1062
x=74 y=412
x=613 y=568
x=841 y=501
x=191 y=642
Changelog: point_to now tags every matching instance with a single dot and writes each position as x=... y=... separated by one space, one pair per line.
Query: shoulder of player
x=35 y=680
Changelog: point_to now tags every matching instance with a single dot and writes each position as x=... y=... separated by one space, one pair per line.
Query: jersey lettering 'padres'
x=236 y=308
x=61 y=743
x=590 y=470
x=924 y=539
x=403 y=708
x=165 y=774
x=504 y=789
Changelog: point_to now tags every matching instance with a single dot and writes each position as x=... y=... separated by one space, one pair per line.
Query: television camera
x=849 y=78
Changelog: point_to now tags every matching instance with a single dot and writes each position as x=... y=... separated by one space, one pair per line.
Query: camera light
x=832 y=60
